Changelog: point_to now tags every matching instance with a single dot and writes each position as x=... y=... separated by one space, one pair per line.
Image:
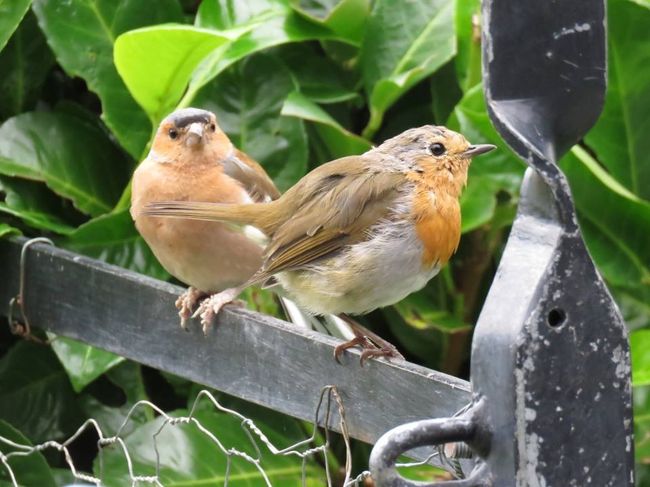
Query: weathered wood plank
x=248 y=355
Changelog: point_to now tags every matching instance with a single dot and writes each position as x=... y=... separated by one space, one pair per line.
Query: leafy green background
x=294 y=83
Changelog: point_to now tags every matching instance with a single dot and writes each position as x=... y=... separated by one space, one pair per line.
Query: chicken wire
x=303 y=449
x=328 y=397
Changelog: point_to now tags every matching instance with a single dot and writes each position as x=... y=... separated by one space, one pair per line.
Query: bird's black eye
x=437 y=149
x=173 y=133
x=213 y=127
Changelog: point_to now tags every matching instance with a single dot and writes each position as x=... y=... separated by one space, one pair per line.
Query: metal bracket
x=550 y=369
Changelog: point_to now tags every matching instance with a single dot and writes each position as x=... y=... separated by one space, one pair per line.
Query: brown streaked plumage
x=359 y=232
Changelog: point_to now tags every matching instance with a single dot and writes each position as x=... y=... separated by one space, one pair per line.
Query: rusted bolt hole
x=556 y=317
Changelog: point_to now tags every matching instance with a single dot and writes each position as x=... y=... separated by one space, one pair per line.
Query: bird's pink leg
x=212 y=305
x=371 y=343
x=186 y=303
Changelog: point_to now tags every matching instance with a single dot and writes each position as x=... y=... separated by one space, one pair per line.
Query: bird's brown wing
x=340 y=212
x=251 y=176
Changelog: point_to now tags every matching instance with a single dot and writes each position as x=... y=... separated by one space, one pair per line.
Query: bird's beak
x=194 y=134
x=477 y=150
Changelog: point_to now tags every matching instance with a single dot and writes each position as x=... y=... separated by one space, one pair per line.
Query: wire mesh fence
x=304 y=449
x=315 y=445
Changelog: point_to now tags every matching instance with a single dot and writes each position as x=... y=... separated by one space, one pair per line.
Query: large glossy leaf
x=189 y=458
x=128 y=377
x=404 y=43
x=82 y=362
x=73 y=156
x=226 y=14
x=28 y=470
x=634 y=303
x=339 y=141
x=615 y=223
x=345 y=17
x=24 y=64
x=6 y=230
x=426 y=329
x=36 y=205
x=320 y=78
x=35 y=395
x=156 y=63
x=11 y=13
x=478 y=203
x=272 y=27
x=248 y=101
x=640 y=343
x=468 y=59
x=114 y=239
x=82 y=33
x=620 y=138
x=641 y=397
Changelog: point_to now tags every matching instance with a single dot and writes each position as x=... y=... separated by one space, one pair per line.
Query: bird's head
x=435 y=151
x=190 y=129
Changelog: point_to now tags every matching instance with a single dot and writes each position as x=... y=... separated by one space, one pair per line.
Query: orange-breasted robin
x=192 y=159
x=357 y=233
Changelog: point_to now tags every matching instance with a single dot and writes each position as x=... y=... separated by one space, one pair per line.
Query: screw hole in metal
x=556 y=317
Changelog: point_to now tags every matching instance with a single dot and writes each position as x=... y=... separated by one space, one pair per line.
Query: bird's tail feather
x=248 y=214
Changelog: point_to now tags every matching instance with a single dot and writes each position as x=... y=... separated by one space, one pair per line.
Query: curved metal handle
x=412 y=435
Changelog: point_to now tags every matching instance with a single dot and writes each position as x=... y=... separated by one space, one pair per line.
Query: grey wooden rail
x=248 y=355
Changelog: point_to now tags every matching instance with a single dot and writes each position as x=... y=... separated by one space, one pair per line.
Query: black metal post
x=550 y=357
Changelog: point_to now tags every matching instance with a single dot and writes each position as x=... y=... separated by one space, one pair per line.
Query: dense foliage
x=294 y=83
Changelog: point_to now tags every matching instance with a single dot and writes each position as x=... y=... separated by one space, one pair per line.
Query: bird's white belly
x=377 y=272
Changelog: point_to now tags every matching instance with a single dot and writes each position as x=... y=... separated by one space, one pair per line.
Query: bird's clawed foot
x=373 y=346
x=212 y=305
x=186 y=303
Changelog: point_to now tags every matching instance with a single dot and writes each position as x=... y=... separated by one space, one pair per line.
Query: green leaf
x=114 y=239
x=82 y=33
x=419 y=313
x=180 y=446
x=128 y=377
x=640 y=345
x=477 y=203
x=468 y=59
x=35 y=395
x=226 y=14
x=445 y=93
x=320 y=79
x=73 y=156
x=634 y=303
x=276 y=26
x=339 y=141
x=36 y=205
x=28 y=470
x=641 y=398
x=405 y=42
x=620 y=137
x=615 y=226
x=345 y=17
x=82 y=362
x=248 y=101
x=156 y=63
x=425 y=329
x=24 y=64
x=6 y=230
x=11 y=13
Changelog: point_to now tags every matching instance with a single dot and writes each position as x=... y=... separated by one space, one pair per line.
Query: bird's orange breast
x=437 y=221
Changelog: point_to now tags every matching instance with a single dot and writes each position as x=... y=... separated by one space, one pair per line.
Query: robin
x=357 y=233
x=191 y=158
